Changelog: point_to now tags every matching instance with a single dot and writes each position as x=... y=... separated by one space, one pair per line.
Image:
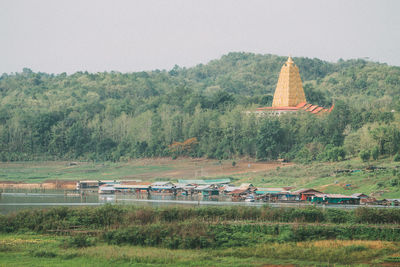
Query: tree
x=269 y=139
x=365 y=155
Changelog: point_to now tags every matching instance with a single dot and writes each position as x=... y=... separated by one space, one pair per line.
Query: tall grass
x=205 y=227
x=45 y=250
x=114 y=216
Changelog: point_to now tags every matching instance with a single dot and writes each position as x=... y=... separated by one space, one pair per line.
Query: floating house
x=207 y=190
x=360 y=195
x=276 y=194
x=239 y=194
x=306 y=194
x=106 y=189
x=138 y=188
x=334 y=199
x=166 y=188
x=87 y=184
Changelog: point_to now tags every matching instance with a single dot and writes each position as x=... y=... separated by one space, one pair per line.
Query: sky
x=56 y=36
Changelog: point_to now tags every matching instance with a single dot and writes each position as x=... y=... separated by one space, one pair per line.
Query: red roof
x=302 y=106
x=278 y=108
x=238 y=191
x=318 y=109
x=307 y=191
x=312 y=108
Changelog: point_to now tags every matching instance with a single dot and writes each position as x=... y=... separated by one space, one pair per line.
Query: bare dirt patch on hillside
x=196 y=168
x=143 y=169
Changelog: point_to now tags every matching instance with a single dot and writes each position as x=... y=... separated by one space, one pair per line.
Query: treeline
x=206 y=227
x=200 y=112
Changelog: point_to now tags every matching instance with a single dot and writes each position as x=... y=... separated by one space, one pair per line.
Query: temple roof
x=315 y=109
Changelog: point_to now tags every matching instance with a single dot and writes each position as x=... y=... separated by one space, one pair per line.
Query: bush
x=42 y=253
x=333 y=153
x=396 y=157
x=337 y=216
x=365 y=155
x=304 y=156
x=375 y=153
x=79 y=241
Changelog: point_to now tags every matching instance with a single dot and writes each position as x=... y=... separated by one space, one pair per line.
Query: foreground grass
x=113 y=235
x=45 y=250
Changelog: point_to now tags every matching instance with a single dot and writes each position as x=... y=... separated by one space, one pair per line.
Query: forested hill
x=198 y=112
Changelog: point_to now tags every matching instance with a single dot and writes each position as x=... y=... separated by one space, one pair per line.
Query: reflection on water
x=14 y=200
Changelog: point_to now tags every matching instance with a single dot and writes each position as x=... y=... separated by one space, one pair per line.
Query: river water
x=14 y=200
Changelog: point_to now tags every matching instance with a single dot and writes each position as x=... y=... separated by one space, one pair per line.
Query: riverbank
x=346 y=177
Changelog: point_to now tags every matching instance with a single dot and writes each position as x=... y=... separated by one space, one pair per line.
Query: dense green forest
x=200 y=112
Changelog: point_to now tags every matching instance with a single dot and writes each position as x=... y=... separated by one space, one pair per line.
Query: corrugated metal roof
x=334 y=196
x=304 y=190
x=203 y=182
x=162 y=184
x=131 y=186
x=359 y=194
x=106 y=188
x=135 y=183
x=238 y=191
x=277 y=189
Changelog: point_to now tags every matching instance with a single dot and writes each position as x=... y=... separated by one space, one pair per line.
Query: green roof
x=267 y=192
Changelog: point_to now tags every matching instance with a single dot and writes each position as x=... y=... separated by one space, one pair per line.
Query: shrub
x=332 y=153
x=337 y=216
x=78 y=241
x=365 y=155
x=304 y=156
x=396 y=157
x=42 y=253
x=375 y=153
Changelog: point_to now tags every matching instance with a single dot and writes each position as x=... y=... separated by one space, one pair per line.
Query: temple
x=289 y=93
x=289 y=90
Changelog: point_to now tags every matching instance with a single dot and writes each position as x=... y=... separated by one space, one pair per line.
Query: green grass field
x=36 y=172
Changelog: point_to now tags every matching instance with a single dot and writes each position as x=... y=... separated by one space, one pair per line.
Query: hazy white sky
x=97 y=35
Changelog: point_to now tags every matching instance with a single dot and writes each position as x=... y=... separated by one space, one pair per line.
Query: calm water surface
x=14 y=200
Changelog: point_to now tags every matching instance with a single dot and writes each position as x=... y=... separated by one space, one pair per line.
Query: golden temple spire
x=289 y=60
x=289 y=91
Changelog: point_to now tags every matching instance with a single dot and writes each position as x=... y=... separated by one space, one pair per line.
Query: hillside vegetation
x=199 y=112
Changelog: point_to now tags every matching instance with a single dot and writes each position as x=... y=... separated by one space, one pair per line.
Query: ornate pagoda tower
x=289 y=94
x=289 y=91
